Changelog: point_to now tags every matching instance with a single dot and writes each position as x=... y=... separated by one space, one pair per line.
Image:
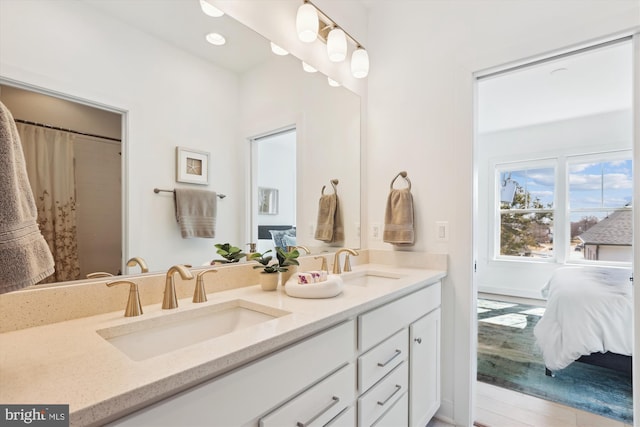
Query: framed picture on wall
x=267 y=201
x=192 y=166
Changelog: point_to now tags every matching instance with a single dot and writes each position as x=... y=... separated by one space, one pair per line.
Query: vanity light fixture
x=216 y=39
x=332 y=82
x=307 y=23
x=308 y=68
x=210 y=10
x=360 y=63
x=337 y=45
x=278 y=50
x=312 y=23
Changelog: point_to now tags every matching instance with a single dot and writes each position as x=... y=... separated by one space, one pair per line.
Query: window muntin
x=526 y=206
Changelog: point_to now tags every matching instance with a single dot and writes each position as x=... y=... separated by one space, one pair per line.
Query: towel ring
x=334 y=184
x=401 y=174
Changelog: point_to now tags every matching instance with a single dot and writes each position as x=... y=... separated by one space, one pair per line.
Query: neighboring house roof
x=616 y=229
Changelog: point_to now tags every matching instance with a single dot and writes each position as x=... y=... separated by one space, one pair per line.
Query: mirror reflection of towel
x=329 y=227
x=398 y=218
x=25 y=258
x=196 y=212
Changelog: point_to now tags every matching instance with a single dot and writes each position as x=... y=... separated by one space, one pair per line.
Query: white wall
x=593 y=134
x=70 y=48
x=420 y=119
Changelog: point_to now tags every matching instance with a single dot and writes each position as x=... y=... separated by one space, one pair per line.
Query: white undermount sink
x=369 y=277
x=152 y=337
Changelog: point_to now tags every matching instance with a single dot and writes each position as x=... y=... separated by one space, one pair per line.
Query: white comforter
x=589 y=310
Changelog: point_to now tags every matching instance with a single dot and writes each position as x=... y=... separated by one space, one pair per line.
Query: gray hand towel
x=398 y=218
x=25 y=258
x=196 y=212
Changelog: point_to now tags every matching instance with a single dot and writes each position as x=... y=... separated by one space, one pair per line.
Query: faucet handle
x=98 y=274
x=134 y=308
x=199 y=295
x=347 y=259
x=323 y=266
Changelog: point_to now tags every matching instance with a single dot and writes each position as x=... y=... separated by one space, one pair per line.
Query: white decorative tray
x=329 y=288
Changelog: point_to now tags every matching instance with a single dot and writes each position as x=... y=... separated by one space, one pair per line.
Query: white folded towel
x=25 y=258
x=196 y=212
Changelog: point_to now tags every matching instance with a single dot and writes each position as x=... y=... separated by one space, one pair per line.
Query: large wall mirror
x=149 y=65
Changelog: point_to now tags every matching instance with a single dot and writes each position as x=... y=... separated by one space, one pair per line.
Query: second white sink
x=369 y=277
x=152 y=337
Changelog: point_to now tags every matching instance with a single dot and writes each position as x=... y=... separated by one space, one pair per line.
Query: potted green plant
x=228 y=252
x=269 y=275
x=288 y=259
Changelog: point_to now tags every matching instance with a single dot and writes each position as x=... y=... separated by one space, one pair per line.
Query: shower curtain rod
x=42 y=125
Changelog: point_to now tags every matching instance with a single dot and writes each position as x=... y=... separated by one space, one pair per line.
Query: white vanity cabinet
x=399 y=362
x=424 y=369
x=243 y=396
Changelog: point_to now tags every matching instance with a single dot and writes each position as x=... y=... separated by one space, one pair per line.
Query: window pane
x=526 y=234
x=598 y=185
x=602 y=236
x=534 y=189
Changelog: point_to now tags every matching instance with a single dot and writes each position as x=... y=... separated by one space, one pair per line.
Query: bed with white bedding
x=589 y=313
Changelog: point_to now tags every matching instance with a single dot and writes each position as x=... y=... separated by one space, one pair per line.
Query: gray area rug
x=508 y=358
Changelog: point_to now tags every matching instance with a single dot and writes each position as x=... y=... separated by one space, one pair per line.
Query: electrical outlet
x=311 y=230
x=357 y=224
x=376 y=231
x=442 y=231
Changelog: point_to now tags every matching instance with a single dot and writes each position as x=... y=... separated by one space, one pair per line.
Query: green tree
x=520 y=231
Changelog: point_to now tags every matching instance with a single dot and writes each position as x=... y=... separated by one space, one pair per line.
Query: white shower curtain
x=50 y=167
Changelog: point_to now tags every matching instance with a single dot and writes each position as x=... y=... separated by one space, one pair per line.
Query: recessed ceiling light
x=210 y=10
x=216 y=39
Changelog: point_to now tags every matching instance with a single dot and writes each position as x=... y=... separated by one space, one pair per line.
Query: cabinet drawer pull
x=334 y=401
x=398 y=387
x=396 y=354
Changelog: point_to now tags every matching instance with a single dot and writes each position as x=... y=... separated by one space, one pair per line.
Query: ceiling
x=588 y=83
x=184 y=25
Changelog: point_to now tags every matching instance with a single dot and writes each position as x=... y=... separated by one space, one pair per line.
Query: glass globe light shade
x=360 y=63
x=337 y=45
x=307 y=23
x=308 y=68
x=278 y=50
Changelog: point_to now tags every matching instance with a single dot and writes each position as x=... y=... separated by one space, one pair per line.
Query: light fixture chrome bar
x=327 y=24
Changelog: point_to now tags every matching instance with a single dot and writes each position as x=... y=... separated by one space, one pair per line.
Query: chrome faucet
x=170 y=300
x=137 y=260
x=347 y=263
x=200 y=295
x=134 y=308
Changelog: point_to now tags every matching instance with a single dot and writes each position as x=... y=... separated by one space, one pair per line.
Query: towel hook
x=401 y=174
x=334 y=184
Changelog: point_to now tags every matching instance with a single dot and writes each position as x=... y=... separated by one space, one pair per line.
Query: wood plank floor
x=499 y=407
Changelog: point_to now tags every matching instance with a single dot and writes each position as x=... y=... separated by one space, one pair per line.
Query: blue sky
x=591 y=185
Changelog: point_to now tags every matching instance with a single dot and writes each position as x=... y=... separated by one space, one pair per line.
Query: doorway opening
x=273 y=189
x=554 y=162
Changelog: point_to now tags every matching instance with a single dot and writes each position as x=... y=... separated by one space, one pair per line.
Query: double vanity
x=369 y=356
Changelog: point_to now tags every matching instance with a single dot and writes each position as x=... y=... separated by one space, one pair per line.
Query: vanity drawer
x=319 y=404
x=377 y=324
x=375 y=402
x=397 y=415
x=346 y=418
x=380 y=360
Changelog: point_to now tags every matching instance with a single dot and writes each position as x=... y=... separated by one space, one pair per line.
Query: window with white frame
x=526 y=210
x=597 y=192
x=600 y=208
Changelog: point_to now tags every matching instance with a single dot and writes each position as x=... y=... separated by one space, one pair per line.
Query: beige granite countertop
x=68 y=362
